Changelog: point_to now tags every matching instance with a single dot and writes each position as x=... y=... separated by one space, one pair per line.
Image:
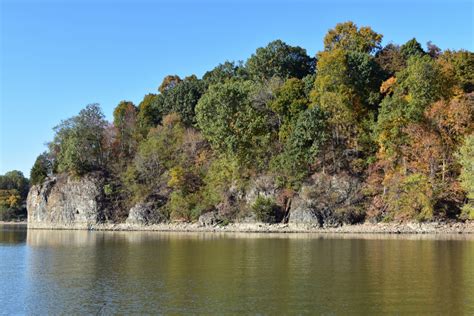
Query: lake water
x=77 y=272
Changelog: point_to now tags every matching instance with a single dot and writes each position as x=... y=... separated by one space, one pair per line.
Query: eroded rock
x=303 y=213
x=329 y=201
x=65 y=201
x=146 y=214
x=209 y=219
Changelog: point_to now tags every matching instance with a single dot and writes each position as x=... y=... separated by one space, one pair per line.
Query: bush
x=187 y=207
x=410 y=197
x=265 y=209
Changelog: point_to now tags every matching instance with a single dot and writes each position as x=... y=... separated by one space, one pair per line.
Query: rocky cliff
x=79 y=203
x=66 y=202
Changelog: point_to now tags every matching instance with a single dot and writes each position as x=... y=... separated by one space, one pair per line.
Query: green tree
x=182 y=99
x=224 y=72
x=41 y=169
x=411 y=48
x=346 y=87
x=279 y=59
x=150 y=112
x=308 y=136
x=290 y=99
x=15 y=180
x=265 y=209
x=230 y=122
x=302 y=147
x=78 y=143
x=157 y=154
x=422 y=83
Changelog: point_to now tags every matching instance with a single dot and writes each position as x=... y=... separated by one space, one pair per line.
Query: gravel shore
x=366 y=228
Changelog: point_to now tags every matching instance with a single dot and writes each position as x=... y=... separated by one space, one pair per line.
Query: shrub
x=410 y=197
x=265 y=209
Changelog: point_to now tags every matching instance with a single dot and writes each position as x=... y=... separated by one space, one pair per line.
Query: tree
x=460 y=66
x=466 y=159
x=78 y=143
x=224 y=72
x=15 y=180
x=231 y=124
x=125 y=119
x=416 y=87
x=365 y=77
x=182 y=99
x=41 y=169
x=150 y=112
x=169 y=82
x=13 y=192
x=347 y=88
x=412 y=48
x=266 y=210
x=281 y=60
x=452 y=119
x=155 y=155
x=290 y=100
x=422 y=82
x=390 y=59
x=302 y=147
x=409 y=197
x=308 y=135
x=347 y=36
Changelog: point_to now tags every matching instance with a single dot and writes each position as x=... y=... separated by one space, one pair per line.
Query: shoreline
x=365 y=228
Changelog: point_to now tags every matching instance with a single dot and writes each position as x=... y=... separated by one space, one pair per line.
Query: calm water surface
x=77 y=272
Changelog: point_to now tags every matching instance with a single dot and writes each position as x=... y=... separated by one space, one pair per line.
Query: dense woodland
x=399 y=117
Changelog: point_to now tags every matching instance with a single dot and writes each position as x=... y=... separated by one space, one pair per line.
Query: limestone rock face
x=66 y=202
x=209 y=219
x=328 y=201
x=303 y=213
x=145 y=214
x=263 y=186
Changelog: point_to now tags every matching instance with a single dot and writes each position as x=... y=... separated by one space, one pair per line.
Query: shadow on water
x=11 y=234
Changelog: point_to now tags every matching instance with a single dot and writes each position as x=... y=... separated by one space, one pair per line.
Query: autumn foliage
x=399 y=118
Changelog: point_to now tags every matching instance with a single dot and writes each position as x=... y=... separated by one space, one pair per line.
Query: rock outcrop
x=146 y=214
x=263 y=186
x=66 y=202
x=328 y=201
x=209 y=219
x=302 y=212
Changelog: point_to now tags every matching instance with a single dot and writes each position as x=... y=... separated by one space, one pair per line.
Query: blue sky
x=58 y=56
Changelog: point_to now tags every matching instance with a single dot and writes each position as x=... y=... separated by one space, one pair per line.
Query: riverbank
x=366 y=228
x=14 y=223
